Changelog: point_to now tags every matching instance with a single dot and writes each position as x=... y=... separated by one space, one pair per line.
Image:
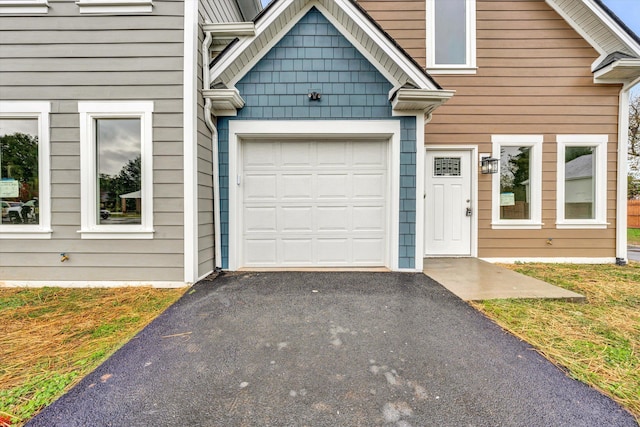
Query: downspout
x=206 y=44
x=623 y=142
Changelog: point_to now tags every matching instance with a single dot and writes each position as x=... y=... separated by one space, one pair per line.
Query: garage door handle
x=238 y=180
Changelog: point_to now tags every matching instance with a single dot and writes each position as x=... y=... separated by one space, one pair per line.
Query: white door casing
x=331 y=187
x=449 y=206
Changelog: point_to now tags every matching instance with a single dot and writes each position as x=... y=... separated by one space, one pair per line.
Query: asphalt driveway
x=327 y=349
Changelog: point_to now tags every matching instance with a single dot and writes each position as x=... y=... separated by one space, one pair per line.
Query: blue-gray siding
x=315 y=56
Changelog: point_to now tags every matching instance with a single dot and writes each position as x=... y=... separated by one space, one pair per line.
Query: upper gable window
x=451 y=36
x=115 y=6
x=21 y=7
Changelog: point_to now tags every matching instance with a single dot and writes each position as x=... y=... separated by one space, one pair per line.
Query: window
x=117 y=173
x=115 y=6
x=22 y=7
x=582 y=184
x=451 y=36
x=24 y=170
x=517 y=187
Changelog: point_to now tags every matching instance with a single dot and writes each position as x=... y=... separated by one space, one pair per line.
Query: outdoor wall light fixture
x=314 y=96
x=489 y=165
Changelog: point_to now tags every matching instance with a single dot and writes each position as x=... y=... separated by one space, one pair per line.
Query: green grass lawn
x=597 y=342
x=53 y=337
x=633 y=236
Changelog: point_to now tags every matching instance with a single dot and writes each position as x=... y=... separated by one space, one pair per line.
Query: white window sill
x=115 y=6
x=581 y=225
x=452 y=70
x=116 y=235
x=22 y=232
x=516 y=226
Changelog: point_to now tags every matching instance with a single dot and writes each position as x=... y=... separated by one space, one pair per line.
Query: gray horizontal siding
x=65 y=57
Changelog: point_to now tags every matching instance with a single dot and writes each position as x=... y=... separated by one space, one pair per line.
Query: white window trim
x=115 y=6
x=89 y=111
x=470 y=66
x=535 y=222
x=22 y=7
x=33 y=110
x=599 y=142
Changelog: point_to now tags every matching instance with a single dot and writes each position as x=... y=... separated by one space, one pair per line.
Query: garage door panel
x=260 y=252
x=296 y=251
x=260 y=220
x=332 y=218
x=296 y=187
x=370 y=185
x=333 y=251
x=296 y=155
x=314 y=203
x=369 y=218
x=368 y=251
x=296 y=218
x=260 y=187
x=260 y=154
x=332 y=186
x=332 y=154
x=371 y=154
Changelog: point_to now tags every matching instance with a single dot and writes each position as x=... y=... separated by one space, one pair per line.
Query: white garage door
x=307 y=204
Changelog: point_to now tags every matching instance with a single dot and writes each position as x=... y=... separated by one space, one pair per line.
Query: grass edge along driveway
x=597 y=342
x=53 y=337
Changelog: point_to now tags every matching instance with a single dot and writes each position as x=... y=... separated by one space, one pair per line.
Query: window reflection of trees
x=19 y=165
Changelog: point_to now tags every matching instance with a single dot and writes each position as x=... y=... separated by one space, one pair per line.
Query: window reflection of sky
x=118 y=143
x=11 y=126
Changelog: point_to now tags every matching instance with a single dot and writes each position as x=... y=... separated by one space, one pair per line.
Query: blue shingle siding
x=315 y=57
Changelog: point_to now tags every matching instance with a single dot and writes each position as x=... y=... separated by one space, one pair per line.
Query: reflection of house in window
x=131 y=201
x=579 y=189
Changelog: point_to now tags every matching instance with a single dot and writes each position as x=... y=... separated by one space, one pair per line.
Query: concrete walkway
x=327 y=350
x=473 y=280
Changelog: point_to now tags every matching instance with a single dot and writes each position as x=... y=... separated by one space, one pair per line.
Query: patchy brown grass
x=52 y=337
x=598 y=342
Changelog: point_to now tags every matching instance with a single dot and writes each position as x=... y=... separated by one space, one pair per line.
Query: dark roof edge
x=611 y=58
x=378 y=27
x=215 y=60
x=618 y=21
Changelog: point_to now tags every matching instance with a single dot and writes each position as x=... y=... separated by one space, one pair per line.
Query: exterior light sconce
x=488 y=165
x=314 y=96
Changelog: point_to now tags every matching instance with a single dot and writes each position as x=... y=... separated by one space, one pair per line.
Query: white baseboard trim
x=88 y=284
x=559 y=260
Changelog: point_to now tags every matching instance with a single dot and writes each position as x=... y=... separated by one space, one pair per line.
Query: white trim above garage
x=374 y=130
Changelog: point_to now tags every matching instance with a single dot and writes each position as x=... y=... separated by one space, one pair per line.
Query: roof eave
x=621 y=71
x=424 y=100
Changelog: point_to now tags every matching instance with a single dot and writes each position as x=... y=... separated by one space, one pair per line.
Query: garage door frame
x=316 y=129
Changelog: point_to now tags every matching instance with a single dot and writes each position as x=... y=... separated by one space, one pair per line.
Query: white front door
x=448 y=204
x=314 y=203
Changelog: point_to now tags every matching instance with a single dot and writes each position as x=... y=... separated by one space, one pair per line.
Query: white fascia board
x=230 y=29
x=621 y=71
x=613 y=26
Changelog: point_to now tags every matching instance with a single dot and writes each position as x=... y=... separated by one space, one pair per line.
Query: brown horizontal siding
x=533 y=77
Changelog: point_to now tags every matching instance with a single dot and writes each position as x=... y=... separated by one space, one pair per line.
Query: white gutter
x=206 y=44
x=621 y=190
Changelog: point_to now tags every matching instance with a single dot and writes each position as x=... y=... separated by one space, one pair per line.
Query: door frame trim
x=389 y=130
x=473 y=149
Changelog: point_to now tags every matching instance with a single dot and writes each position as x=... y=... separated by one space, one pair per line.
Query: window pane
x=19 y=184
x=579 y=183
x=515 y=182
x=450 y=32
x=119 y=171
